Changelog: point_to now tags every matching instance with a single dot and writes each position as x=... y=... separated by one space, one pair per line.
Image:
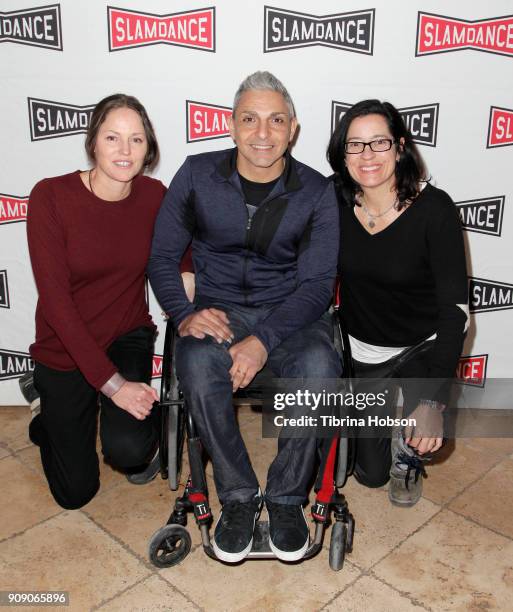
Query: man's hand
x=136 y=398
x=248 y=356
x=427 y=435
x=210 y=321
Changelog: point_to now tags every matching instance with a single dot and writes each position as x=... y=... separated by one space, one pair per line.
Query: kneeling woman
x=403 y=284
x=89 y=236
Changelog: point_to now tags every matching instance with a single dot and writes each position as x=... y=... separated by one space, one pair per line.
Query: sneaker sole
x=138 y=479
x=147 y=475
x=403 y=504
x=228 y=557
x=400 y=504
x=293 y=555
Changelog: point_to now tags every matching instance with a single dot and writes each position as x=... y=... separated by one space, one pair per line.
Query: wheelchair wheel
x=169 y=546
x=175 y=441
x=341 y=473
x=350 y=533
x=338 y=546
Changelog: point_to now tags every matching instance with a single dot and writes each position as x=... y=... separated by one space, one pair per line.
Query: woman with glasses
x=403 y=286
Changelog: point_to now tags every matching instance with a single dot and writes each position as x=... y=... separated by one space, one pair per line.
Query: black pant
x=373 y=457
x=65 y=430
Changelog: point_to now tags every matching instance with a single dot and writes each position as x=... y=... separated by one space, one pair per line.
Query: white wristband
x=113 y=385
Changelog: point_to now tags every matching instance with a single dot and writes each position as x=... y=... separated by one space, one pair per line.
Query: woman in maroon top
x=89 y=236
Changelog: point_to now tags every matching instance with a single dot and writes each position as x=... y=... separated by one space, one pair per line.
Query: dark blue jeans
x=202 y=368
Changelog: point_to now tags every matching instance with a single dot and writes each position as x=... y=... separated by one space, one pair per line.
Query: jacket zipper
x=246 y=257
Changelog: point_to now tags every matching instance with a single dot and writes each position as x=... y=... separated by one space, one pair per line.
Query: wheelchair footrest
x=261 y=538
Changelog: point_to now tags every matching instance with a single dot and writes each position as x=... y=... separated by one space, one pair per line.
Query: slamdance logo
x=37 y=27
x=4 y=290
x=471 y=370
x=422 y=121
x=487 y=295
x=347 y=31
x=193 y=29
x=440 y=34
x=483 y=216
x=14 y=364
x=206 y=121
x=500 y=127
x=13 y=209
x=156 y=370
x=54 y=119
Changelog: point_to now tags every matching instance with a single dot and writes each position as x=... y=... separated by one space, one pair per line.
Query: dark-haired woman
x=403 y=285
x=89 y=236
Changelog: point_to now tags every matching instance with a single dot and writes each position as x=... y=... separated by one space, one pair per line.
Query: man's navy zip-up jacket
x=285 y=256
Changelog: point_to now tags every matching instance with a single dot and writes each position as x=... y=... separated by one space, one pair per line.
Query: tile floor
x=453 y=551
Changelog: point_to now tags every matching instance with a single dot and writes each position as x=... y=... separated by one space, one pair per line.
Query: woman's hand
x=427 y=434
x=136 y=398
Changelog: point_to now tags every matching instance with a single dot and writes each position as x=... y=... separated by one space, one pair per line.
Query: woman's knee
x=124 y=451
x=76 y=493
x=372 y=479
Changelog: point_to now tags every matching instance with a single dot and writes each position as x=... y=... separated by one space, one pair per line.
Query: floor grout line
x=126 y=547
x=162 y=577
x=466 y=487
x=414 y=532
x=348 y=585
x=58 y=512
x=441 y=506
x=413 y=600
x=478 y=524
x=103 y=602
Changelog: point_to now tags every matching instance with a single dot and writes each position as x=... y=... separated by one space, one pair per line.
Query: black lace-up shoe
x=233 y=535
x=288 y=531
x=30 y=393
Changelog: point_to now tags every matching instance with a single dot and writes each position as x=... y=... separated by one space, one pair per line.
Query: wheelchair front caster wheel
x=338 y=546
x=169 y=546
x=350 y=533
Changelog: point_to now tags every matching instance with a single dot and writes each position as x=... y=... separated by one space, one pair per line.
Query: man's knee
x=318 y=360
x=198 y=360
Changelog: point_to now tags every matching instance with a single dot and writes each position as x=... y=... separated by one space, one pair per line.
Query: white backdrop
x=67 y=54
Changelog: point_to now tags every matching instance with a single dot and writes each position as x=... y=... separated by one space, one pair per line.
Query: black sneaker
x=288 y=531
x=27 y=388
x=148 y=474
x=233 y=535
x=30 y=393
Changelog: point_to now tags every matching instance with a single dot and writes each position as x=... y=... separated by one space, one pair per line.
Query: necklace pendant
x=371 y=223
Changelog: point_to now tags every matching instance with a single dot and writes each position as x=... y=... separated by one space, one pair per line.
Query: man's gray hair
x=264 y=81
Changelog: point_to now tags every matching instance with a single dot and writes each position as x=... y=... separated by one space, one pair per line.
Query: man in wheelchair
x=264 y=232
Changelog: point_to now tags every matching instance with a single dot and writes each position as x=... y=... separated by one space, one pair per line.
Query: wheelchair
x=172 y=543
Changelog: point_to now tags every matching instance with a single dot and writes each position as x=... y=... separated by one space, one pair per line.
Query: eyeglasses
x=378 y=146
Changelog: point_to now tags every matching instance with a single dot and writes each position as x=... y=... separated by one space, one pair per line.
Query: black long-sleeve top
x=403 y=284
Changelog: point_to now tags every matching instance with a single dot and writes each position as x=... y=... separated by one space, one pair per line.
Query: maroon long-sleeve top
x=89 y=258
